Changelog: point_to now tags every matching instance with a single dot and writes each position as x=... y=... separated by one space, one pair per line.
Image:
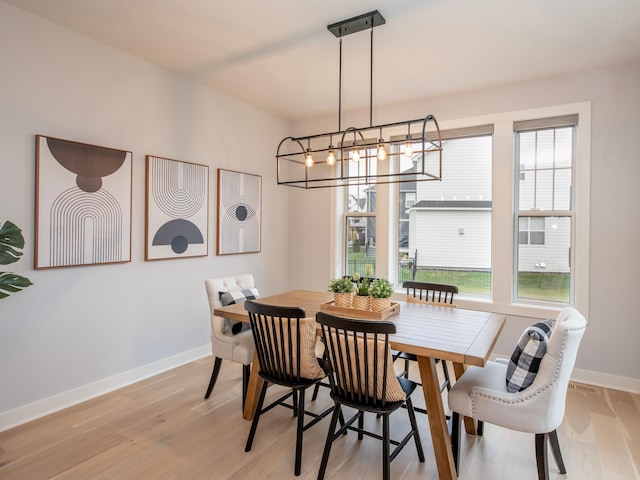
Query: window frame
x=503 y=214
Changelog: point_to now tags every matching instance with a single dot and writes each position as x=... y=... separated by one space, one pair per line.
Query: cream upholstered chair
x=482 y=393
x=225 y=346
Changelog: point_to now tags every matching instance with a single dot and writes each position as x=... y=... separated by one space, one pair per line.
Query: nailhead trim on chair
x=526 y=397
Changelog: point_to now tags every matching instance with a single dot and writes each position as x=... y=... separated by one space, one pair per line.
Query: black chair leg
x=406 y=369
x=480 y=428
x=315 y=392
x=294 y=399
x=557 y=454
x=337 y=413
x=386 y=449
x=214 y=376
x=456 y=424
x=300 y=429
x=447 y=378
x=256 y=417
x=414 y=427
x=246 y=373
x=541 y=456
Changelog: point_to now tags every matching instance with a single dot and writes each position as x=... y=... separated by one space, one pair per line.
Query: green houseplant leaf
x=381 y=288
x=11 y=242
x=10 y=282
x=341 y=285
x=363 y=288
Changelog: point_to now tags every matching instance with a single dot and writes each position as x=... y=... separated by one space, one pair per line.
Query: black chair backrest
x=276 y=334
x=358 y=353
x=431 y=292
x=359 y=281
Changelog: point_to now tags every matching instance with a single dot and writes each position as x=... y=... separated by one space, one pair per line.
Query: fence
x=406 y=270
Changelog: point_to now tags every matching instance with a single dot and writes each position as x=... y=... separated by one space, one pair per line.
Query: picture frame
x=82 y=205
x=177 y=209
x=239 y=212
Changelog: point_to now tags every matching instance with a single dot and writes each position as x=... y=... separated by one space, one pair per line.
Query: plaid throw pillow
x=231 y=298
x=525 y=361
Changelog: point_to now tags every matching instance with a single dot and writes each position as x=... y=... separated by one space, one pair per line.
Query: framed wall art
x=177 y=209
x=239 y=212
x=83 y=204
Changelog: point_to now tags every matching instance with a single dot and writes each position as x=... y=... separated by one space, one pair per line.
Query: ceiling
x=279 y=55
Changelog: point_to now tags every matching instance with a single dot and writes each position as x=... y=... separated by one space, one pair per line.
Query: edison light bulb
x=355 y=156
x=308 y=159
x=408 y=150
x=382 y=153
x=331 y=158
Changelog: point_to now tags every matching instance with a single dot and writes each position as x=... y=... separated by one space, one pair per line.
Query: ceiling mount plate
x=357 y=24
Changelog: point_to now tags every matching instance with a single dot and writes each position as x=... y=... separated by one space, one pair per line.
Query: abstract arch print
x=177 y=209
x=83 y=204
x=239 y=212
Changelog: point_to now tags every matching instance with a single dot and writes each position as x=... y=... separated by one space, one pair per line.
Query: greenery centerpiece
x=362 y=300
x=342 y=289
x=11 y=242
x=381 y=291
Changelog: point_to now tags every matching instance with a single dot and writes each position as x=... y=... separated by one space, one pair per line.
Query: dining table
x=462 y=337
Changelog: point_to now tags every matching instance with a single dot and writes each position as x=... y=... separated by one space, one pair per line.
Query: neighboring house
x=451 y=234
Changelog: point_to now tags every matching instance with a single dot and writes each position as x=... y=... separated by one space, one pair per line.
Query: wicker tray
x=331 y=308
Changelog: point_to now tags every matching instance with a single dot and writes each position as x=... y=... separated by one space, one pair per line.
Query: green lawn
x=547 y=286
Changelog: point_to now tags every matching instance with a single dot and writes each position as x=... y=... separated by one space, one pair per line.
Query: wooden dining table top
x=455 y=334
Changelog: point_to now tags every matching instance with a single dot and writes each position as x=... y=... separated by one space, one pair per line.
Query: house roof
x=465 y=204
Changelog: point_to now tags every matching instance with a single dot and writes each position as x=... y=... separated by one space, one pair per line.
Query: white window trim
x=502 y=213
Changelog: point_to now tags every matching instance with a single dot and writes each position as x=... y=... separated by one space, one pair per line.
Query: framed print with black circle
x=239 y=212
x=83 y=204
x=177 y=209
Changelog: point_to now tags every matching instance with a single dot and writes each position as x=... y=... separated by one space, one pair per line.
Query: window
x=410 y=199
x=360 y=226
x=544 y=153
x=508 y=224
x=531 y=231
x=445 y=234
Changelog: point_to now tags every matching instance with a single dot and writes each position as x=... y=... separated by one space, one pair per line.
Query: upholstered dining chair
x=430 y=293
x=362 y=377
x=224 y=344
x=482 y=393
x=285 y=343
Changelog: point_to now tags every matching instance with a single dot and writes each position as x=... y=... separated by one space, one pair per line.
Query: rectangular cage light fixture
x=327 y=159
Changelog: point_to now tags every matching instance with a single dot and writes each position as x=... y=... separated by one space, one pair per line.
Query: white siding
x=462 y=179
x=436 y=235
x=553 y=256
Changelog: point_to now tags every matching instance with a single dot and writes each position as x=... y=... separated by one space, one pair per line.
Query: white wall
x=610 y=347
x=78 y=331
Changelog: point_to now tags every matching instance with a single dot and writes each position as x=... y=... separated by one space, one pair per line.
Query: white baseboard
x=40 y=408
x=598 y=379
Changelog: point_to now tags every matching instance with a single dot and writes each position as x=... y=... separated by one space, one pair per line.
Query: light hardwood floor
x=162 y=428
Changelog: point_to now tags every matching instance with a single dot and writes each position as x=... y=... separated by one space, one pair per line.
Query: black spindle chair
x=362 y=377
x=435 y=294
x=285 y=346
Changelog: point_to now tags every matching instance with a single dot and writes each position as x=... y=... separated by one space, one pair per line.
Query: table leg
x=253 y=390
x=437 y=419
x=469 y=423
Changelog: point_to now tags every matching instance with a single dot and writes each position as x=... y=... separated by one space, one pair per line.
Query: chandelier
x=407 y=151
